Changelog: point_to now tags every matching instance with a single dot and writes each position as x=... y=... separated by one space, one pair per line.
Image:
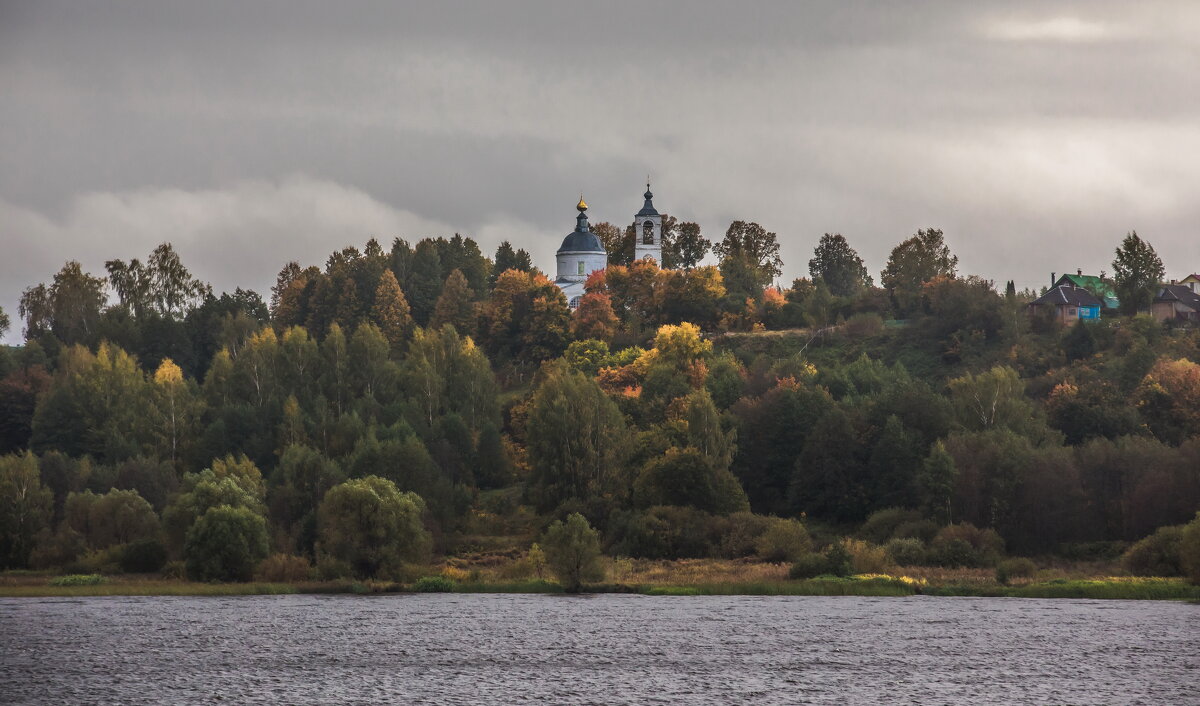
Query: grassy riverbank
x=1136 y=588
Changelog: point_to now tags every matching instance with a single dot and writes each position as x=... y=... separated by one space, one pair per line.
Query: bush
x=882 y=524
x=965 y=545
x=923 y=530
x=906 y=552
x=867 y=558
x=373 y=525
x=864 y=325
x=809 y=566
x=1019 y=567
x=783 y=540
x=665 y=532
x=1156 y=555
x=283 y=568
x=331 y=568
x=142 y=557
x=77 y=580
x=840 y=561
x=434 y=584
x=174 y=570
x=742 y=531
x=226 y=544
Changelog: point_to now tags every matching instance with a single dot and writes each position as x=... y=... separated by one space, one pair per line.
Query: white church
x=582 y=253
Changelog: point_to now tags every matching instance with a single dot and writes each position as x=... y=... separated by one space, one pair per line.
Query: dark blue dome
x=581 y=241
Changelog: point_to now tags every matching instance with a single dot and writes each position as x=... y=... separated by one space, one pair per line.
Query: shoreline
x=1115 y=588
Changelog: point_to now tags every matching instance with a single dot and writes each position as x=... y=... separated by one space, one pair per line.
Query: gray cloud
x=1035 y=134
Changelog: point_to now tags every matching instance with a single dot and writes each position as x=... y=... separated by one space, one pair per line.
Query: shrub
x=374 y=525
x=283 y=568
x=77 y=580
x=434 y=584
x=783 y=540
x=965 y=545
x=1189 y=550
x=809 y=566
x=1156 y=555
x=1018 y=567
x=881 y=525
x=226 y=544
x=142 y=557
x=906 y=552
x=864 y=325
x=867 y=558
x=665 y=532
x=331 y=568
x=742 y=531
x=174 y=570
x=839 y=559
x=924 y=530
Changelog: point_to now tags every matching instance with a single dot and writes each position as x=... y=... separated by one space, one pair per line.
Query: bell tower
x=647 y=228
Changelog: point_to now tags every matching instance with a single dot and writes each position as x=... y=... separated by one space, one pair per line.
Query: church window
x=581 y=267
x=648 y=233
x=574 y=303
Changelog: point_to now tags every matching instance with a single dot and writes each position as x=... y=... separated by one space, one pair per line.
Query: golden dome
x=582 y=205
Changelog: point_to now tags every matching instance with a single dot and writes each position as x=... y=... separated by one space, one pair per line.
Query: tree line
x=371 y=411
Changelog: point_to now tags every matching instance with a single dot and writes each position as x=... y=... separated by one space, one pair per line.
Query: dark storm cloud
x=1035 y=134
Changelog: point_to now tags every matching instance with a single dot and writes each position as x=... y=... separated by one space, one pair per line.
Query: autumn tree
x=1169 y=399
x=595 y=318
x=455 y=306
x=390 y=311
x=914 y=262
x=1137 y=272
x=839 y=266
x=174 y=402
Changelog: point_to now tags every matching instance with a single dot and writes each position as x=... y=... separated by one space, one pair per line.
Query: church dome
x=585 y=241
x=582 y=239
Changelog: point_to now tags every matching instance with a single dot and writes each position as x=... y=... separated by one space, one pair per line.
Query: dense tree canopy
x=393 y=403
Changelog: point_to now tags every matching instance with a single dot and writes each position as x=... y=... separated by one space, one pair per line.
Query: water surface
x=604 y=649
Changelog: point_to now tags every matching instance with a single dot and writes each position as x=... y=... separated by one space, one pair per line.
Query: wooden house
x=1070 y=303
x=1177 y=302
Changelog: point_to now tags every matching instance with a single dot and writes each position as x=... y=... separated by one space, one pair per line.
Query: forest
x=396 y=406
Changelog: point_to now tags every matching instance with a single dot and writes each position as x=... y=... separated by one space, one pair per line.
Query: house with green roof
x=1100 y=287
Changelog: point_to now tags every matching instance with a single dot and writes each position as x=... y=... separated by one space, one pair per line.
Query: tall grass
x=1107 y=588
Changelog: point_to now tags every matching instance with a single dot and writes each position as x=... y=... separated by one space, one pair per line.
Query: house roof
x=1180 y=293
x=1067 y=295
x=1101 y=288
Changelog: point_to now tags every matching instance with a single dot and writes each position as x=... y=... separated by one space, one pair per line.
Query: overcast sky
x=1035 y=134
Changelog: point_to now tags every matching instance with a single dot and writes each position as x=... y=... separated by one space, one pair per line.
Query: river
x=602 y=649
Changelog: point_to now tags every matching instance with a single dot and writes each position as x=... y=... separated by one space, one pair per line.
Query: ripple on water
x=468 y=649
